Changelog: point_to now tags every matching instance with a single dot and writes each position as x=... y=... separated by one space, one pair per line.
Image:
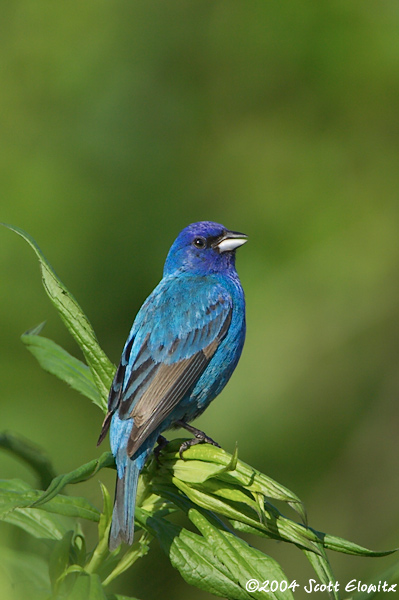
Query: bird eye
x=199 y=242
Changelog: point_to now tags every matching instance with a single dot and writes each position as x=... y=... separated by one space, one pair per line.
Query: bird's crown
x=202 y=248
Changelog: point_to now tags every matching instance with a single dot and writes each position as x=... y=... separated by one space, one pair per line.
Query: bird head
x=202 y=248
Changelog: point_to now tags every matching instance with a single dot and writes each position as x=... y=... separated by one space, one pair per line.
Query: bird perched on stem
x=181 y=351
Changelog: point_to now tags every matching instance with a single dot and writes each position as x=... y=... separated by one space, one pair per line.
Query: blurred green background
x=122 y=122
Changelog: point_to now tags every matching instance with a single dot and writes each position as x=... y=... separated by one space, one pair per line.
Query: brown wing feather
x=169 y=385
x=168 y=388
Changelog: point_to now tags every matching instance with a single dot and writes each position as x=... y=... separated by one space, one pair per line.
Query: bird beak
x=230 y=240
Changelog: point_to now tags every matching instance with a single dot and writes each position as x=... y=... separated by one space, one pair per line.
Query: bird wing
x=174 y=336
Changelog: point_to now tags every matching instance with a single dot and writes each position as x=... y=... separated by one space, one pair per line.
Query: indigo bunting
x=183 y=347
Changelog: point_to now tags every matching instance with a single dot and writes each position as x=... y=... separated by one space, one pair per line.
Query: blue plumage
x=184 y=345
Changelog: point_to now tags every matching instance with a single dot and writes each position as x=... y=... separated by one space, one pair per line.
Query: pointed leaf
x=36 y=522
x=193 y=471
x=136 y=551
x=338 y=544
x=82 y=473
x=87 y=587
x=273 y=525
x=75 y=320
x=323 y=570
x=72 y=506
x=15 y=494
x=59 y=557
x=258 y=565
x=78 y=549
x=101 y=551
x=243 y=561
x=218 y=563
x=106 y=515
x=57 y=361
x=192 y=557
x=221 y=465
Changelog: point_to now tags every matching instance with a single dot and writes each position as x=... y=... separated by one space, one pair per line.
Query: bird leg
x=200 y=438
x=162 y=443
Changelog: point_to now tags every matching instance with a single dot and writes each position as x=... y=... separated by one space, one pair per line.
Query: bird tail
x=122 y=528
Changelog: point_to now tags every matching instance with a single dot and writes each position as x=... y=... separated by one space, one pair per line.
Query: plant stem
x=138 y=550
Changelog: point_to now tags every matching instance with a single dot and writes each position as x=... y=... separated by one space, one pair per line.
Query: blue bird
x=183 y=347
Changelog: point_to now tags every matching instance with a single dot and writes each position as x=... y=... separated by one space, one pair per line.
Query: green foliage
x=217 y=493
x=57 y=361
x=76 y=322
x=15 y=509
x=18 y=494
x=80 y=474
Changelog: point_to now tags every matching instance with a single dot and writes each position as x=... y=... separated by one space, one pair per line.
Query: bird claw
x=200 y=438
x=162 y=443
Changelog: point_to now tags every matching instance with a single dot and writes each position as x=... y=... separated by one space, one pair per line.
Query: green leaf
x=87 y=587
x=36 y=522
x=193 y=471
x=71 y=506
x=136 y=551
x=82 y=473
x=212 y=562
x=191 y=556
x=246 y=509
x=211 y=462
x=270 y=524
x=78 y=549
x=101 y=552
x=231 y=492
x=338 y=544
x=15 y=494
x=57 y=361
x=59 y=558
x=322 y=567
x=243 y=561
x=217 y=481
x=212 y=527
x=31 y=454
x=106 y=515
x=74 y=319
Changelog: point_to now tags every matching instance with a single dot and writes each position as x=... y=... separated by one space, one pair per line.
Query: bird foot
x=200 y=438
x=162 y=443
